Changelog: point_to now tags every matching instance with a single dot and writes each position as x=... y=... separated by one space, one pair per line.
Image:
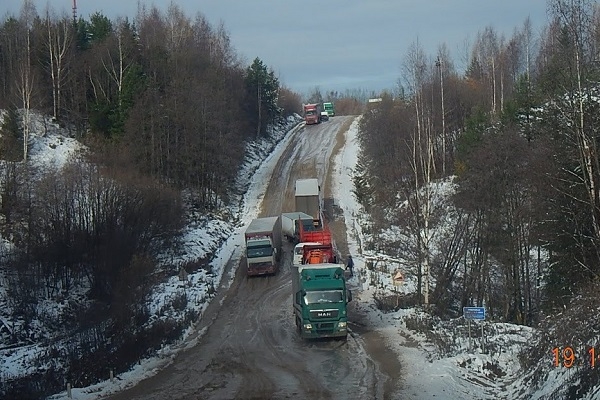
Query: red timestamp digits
x=566 y=357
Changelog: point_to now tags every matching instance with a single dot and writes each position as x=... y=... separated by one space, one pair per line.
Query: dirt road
x=250 y=348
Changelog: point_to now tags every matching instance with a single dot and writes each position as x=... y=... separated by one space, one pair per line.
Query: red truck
x=311 y=233
x=312 y=113
x=313 y=238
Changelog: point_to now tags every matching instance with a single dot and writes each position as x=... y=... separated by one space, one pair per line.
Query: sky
x=335 y=44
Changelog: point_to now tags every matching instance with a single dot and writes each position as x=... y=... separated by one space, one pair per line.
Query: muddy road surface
x=247 y=346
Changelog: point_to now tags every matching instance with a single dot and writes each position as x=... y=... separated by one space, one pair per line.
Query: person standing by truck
x=350 y=265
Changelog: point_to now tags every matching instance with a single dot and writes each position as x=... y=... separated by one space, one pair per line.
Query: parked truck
x=328 y=107
x=318 y=253
x=263 y=246
x=314 y=240
x=312 y=113
x=320 y=299
x=307 y=198
x=298 y=256
x=314 y=233
x=290 y=224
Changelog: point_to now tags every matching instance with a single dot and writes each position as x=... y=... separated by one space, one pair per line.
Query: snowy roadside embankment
x=439 y=359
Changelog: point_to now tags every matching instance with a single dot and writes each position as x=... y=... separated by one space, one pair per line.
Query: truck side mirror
x=349 y=296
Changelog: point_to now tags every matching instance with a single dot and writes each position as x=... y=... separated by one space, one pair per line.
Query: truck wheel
x=297 y=325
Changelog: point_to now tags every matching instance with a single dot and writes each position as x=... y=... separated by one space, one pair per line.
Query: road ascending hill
x=250 y=348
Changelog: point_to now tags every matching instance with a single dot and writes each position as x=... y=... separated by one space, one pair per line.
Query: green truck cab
x=328 y=107
x=320 y=299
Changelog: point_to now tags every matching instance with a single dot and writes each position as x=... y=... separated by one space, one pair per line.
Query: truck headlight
x=308 y=327
x=342 y=324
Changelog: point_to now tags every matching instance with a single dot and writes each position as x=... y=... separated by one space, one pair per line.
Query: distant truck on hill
x=329 y=109
x=312 y=113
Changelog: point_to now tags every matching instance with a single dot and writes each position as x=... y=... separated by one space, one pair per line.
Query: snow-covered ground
x=439 y=361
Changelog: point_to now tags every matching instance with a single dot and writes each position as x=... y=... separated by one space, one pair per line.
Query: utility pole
x=74 y=11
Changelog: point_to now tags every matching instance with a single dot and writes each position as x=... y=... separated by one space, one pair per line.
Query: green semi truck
x=328 y=107
x=320 y=299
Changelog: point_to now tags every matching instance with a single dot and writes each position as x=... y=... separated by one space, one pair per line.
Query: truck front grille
x=325 y=326
x=323 y=314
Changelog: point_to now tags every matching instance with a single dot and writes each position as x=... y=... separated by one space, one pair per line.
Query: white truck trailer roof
x=260 y=225
x=307 y=187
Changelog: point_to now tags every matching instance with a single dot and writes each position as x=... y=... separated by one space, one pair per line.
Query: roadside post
x=397 y=280
x=474 y=313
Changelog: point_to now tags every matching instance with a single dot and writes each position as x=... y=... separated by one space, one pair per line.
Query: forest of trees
x=163 y=95
x=165 y=107
x=518 y=132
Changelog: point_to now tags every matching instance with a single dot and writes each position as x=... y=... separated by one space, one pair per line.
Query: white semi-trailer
x=263 y=246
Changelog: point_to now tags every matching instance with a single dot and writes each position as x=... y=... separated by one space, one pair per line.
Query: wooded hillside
x=165 y=108
x=518 y=131
x=163 y=94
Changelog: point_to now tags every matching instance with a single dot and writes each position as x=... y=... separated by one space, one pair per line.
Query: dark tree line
x=518 y=131
x=162 y=101
x=163 y=94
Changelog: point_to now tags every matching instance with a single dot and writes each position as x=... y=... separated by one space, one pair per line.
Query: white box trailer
x=289 y=224
x=263 y=245
x=308 y=199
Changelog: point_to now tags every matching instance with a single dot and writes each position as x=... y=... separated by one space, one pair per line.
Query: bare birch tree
x=116 y=65
x=442 y=61
x=59 y=40
x=25 y=82
x=422 y=165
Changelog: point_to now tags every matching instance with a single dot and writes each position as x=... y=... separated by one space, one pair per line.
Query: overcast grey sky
x=335 y=44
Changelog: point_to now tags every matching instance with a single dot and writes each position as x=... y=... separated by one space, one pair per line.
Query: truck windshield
x=328 y=296
x=259 y=251
x=311 y=112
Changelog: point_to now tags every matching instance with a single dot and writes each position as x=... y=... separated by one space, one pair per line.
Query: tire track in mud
x=281 y=369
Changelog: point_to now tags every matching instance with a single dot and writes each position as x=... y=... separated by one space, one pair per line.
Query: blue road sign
x=474 y=312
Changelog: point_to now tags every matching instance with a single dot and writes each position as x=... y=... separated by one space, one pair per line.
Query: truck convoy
x=307 y=198
x=308 y=201
x=318 y=253
x=320 y=300
x=312 y=233
x=312 y=113
x=328 y=107
x=319 y=292
x=263 y=246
